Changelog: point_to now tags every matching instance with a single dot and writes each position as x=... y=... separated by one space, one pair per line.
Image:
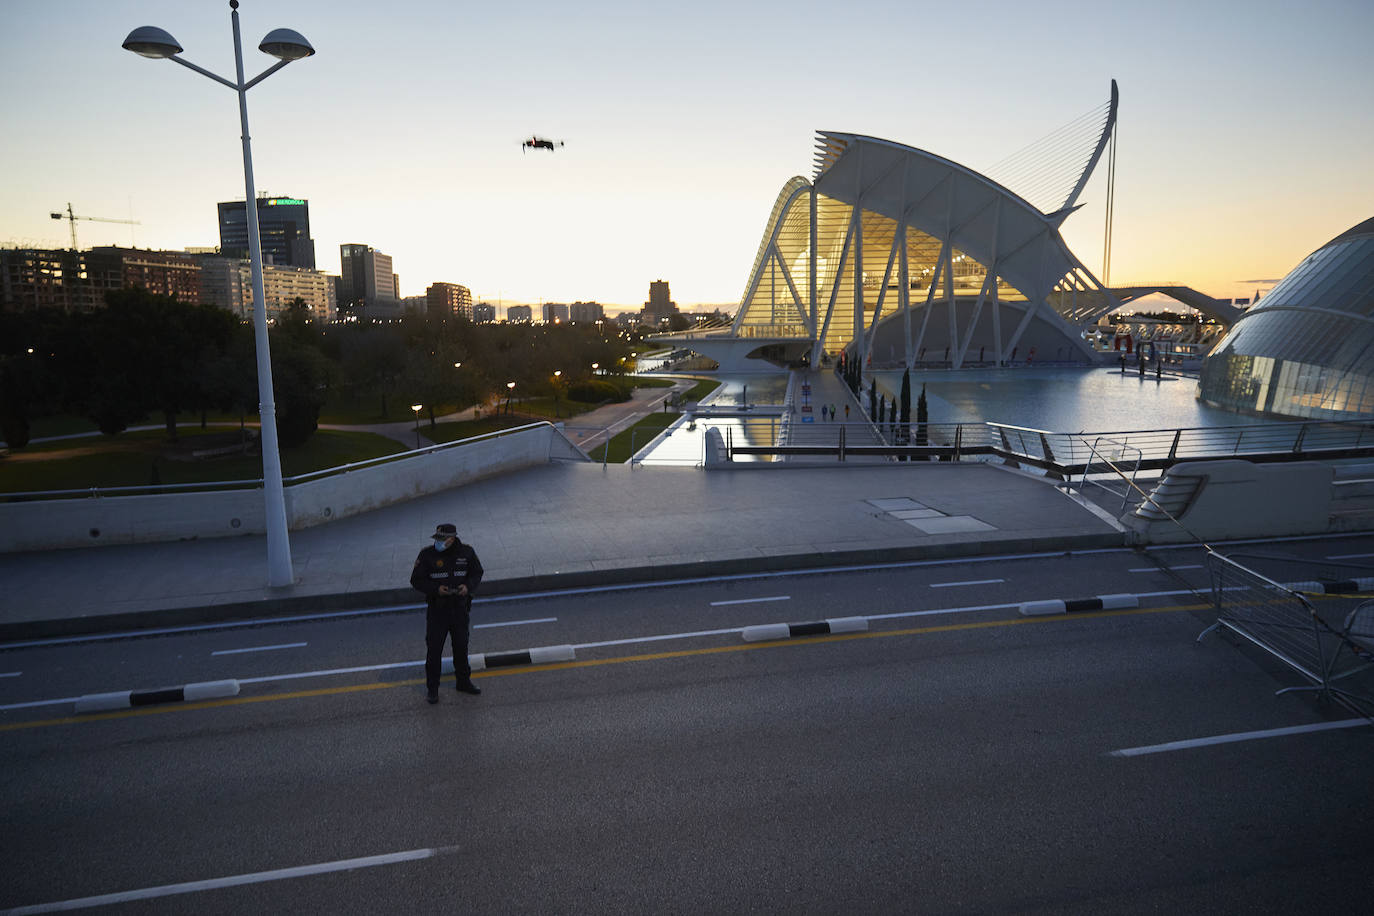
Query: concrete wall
x=58 y=523
x=1236 y=499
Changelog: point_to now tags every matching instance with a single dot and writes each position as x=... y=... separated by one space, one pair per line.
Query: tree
x=300 y=383
x=904 y=417
x=922 y=416
x=14 y=400
x=873 y=400
x=145 y=352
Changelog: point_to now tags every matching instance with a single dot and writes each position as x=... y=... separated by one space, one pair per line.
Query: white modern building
x=1307 y=348
x=906 y=258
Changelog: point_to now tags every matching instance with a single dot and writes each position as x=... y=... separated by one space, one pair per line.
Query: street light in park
x=416 y=408
x=557 y=378
x=285 y=45
x=595 y=366
x=510 y=390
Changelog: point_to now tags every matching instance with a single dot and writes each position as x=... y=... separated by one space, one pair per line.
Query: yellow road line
x=597 y=662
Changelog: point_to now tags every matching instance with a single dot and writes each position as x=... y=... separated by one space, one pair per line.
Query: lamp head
x=152 y=42
x=286 y=44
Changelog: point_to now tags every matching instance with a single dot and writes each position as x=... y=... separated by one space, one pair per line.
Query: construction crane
x=71 y=218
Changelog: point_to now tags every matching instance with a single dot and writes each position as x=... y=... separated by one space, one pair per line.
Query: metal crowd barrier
x=1326 y=648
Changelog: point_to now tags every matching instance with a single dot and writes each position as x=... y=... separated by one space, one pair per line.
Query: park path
x=587 y=430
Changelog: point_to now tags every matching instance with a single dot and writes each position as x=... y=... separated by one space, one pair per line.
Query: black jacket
x=458 y=565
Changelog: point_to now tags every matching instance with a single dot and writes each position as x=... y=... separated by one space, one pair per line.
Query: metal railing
x=1120 y=461
x=1278 y=619
x=1161 y=448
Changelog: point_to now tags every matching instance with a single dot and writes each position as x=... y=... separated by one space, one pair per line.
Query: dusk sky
x=1246 y=137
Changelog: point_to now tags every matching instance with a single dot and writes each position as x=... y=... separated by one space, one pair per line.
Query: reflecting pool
x=1056 y=399
x=1063 y=399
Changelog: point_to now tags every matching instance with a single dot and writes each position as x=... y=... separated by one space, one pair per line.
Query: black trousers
x=446 y=618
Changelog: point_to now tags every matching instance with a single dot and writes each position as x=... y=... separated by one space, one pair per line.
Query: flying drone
x=540 y=143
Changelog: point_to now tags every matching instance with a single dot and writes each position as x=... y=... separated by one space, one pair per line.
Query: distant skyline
x=1245 y=139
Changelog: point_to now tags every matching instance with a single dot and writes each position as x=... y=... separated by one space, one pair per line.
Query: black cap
x=445 y=531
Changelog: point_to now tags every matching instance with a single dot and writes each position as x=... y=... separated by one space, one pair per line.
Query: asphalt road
x=955 y=758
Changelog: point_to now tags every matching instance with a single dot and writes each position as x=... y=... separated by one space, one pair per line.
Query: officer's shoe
x=469 y=687
x=433 y=697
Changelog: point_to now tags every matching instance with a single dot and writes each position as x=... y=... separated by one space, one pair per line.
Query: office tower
x=449 y=299
x=660 y=304
x=586 y=312
x=366 y=287
x=283 y=225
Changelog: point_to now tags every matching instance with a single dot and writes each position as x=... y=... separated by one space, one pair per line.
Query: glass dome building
x=1306 y=349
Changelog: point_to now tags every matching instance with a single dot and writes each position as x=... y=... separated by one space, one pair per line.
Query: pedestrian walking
x=824 y=411
x=447 y=573
x=846 y=413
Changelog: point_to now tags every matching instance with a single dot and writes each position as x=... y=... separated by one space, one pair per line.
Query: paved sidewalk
x=564 y=524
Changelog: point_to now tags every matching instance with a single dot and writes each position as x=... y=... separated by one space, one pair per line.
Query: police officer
x=448 y=573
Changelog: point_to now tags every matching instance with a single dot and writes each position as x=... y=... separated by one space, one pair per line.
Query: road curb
x=767 y=631
x=540 y=656
x=404 y=598
x=126 y=699
x=1071 y=605
x=1332 y=586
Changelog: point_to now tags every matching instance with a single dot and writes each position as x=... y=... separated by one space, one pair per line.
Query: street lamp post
x=557 y=376
x=286 y=45
x=416 y=408
x=510 y=390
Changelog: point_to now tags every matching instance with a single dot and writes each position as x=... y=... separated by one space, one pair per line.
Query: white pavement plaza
x=599 y=524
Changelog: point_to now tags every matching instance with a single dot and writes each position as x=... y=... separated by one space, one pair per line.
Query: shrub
x=594 y=391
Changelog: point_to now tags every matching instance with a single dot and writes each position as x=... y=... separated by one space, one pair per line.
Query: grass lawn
x=141 y=459
x=466 y=429
x=343 y=411
x=700 y=390
x=636 y=437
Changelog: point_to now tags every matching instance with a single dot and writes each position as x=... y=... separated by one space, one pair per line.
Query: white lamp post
x=510 y=392
x=285 y=45
x=416 y=408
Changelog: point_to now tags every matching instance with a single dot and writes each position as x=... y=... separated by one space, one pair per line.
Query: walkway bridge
x=1222 y=311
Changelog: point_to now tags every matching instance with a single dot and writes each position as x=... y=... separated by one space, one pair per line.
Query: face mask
x=440 y=543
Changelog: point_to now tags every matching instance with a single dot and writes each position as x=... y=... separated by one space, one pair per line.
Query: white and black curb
x=1070 y=605
x=767 y=631
x=1332 y=586
x=207 y=690
x=540 y=656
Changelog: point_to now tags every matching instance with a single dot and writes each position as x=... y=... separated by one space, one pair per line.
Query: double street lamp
x=286 y=45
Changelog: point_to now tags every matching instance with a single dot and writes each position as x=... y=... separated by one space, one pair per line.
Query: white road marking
x=239 y=624
x=970 y=582
x=285 y=645
x=1237 y=736
x=11 y=674
x=1350 y=556
x=752 y=600
x=191 y=887
x=1148 y=569
x=361 y=669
